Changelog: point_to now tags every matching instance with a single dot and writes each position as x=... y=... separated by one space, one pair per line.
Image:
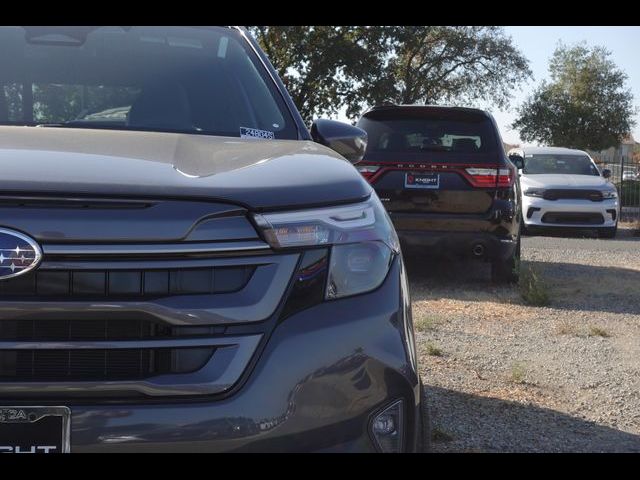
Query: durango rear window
x=174 y=79
x=401 y=132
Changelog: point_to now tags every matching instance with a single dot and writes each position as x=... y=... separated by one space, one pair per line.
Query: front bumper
x=535 y=212
x=322 y=375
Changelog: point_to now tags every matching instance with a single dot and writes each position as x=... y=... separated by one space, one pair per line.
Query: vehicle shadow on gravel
x=470 y=423
x=588 y=287
x=624 y=234
x=447 y=272
x=571 y=286
x=456 y=279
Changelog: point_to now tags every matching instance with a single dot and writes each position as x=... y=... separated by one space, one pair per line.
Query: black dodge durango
x=443 y=175
x=183 y=265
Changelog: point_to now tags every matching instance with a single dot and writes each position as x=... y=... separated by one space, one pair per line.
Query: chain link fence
x=625 y=175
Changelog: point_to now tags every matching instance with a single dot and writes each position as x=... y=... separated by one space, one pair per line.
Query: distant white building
x=614 y=154
x=509 y=146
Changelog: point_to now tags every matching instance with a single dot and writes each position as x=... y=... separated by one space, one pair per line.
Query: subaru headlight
x=534 y=192
x=609 y=194
x=361 y=236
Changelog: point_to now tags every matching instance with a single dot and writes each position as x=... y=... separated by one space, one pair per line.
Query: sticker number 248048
x=255 y=133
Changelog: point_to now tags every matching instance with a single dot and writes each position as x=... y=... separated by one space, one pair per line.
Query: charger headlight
x=361 y=236
x=609 y=194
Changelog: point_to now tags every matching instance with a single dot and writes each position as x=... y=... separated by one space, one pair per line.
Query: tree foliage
x=320 y=64
x=586 y=104
x=327 y=68
x=431 y=64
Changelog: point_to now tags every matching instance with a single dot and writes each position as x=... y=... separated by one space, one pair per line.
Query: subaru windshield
x=168 y=79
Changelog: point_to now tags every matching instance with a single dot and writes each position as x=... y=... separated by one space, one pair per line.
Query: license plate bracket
x=35 y=429
x=422 y=180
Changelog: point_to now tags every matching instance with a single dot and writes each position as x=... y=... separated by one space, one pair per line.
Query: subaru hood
x=257 y=174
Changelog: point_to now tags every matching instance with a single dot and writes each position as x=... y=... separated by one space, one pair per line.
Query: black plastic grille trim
x=99 y=364
x=129 y=283
x=34 y=330
x=573 y=218
x=573 y=194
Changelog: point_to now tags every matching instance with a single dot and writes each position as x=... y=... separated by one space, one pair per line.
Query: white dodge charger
x=564 y=188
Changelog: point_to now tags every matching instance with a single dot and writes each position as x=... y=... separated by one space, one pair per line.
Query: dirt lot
x=503 y=375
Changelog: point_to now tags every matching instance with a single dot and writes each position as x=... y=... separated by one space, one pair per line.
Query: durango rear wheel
x=507 y=270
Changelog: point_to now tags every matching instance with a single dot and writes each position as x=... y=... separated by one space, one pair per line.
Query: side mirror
x=517 y=160
x=606 y=173
x=347 y=140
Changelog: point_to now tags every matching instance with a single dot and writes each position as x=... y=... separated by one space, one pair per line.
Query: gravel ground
x=502 y=375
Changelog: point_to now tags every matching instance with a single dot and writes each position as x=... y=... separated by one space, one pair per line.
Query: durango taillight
x=367 y=171
x=490 y=177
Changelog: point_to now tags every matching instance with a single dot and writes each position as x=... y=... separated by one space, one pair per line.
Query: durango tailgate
x=431 y=160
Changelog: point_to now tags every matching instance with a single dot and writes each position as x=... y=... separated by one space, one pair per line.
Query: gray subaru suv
x=183 y=265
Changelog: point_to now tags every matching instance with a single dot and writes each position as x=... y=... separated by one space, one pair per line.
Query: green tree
x=320 y=64
x=438 y=64
x=326 y=68
x=585 y=104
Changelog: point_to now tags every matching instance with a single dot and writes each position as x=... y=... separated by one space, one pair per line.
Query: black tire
x=609 y=232
x=424 y=435
x=507 y=270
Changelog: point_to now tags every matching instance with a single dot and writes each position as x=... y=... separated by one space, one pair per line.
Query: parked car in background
x=445 y=180
x=629 y=175
x=184 y=266
x=564 y=188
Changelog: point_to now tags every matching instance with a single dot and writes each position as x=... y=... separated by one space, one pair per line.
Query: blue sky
x=538 y=44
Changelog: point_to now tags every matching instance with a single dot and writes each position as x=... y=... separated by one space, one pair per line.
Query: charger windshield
x=539 y=164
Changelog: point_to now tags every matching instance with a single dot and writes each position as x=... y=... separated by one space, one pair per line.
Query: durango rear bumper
x=492 y=235
x=463 y=244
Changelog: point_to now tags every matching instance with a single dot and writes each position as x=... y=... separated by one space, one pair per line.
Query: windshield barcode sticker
x=255 y=133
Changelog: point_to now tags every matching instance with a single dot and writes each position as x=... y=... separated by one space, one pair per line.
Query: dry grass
x=518 y=373
x=595 y=331
x=433 y=350
x=533 y=289
x=426 y=323
x=439 y=435
x=566 y=327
